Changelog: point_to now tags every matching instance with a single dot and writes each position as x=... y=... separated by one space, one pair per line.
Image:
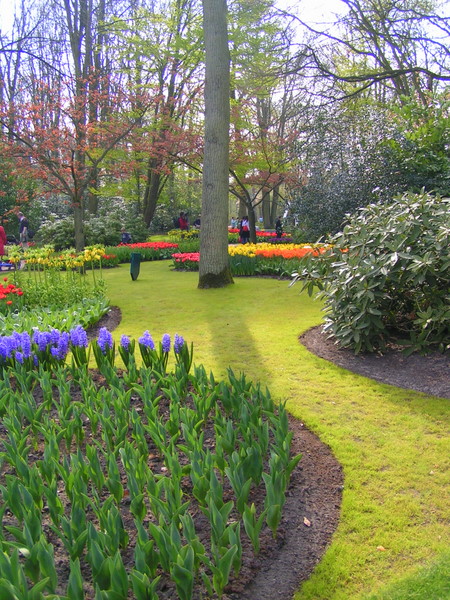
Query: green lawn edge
x=393 y=444
x=429 y=583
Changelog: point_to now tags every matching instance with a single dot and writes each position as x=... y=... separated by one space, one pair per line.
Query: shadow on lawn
x=225 y=346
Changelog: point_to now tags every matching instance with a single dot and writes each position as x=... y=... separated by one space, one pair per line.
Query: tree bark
x=274 y=212
x=78 y=220
x=266 y=208
x=214 y=268
x=152 y=192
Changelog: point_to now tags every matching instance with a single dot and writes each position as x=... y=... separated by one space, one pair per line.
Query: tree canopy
x=102 y=99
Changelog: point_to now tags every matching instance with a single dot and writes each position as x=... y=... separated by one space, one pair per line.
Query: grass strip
x=393 y=444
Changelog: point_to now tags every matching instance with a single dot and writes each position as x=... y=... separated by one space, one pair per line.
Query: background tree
x=259 y=42
x=387 y=64
x=65 y=156
x=260 y=164
x=344 y=164
x=421 y=142
x=399 y=47
x=160 y=50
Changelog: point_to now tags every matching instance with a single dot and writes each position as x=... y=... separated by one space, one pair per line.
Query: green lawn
x=393 y=444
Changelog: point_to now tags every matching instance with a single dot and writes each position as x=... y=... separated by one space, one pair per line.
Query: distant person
x=197 y=222
x=125 y=237
x=183 y=222
x=278 y=227
x=3 y=240
x=23 y=230
x=244 y=230
x=234 y=222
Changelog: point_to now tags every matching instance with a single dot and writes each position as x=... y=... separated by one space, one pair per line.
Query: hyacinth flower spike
x=164 y=349
x=147 y=348
x=183 y=354
x=79 y=346
x=126 y=349
x=104 y=348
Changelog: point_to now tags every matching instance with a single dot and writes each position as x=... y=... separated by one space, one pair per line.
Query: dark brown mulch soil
x=110 y=320
x=429 y=373
x=310 y=517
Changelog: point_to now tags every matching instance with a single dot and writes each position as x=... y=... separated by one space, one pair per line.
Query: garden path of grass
x=392 y=443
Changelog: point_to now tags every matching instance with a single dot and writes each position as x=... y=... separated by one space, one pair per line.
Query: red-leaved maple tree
x=57 y=139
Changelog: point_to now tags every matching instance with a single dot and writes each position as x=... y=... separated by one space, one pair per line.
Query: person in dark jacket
x=23 y=230
x=279 y=227
x=125 y=237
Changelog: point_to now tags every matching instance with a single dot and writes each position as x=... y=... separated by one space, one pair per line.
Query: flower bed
x=233 y=235
x=186 y=261
x=110 y=260
x=269 y=251
x=180 y=235
x=285 y=239
x=259 y=259
x=135 y=482
x=260 y=234
x=54 y=288
x=45 y=257
x=150 y=245
x=10 y=296
x=147 y=250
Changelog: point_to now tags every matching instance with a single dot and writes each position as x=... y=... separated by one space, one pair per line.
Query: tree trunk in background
x=252 y=225
x=265 y=207
x=214 y=268
x=151 y=194
x=92 y=197
x=79 y=224
x=274 y=210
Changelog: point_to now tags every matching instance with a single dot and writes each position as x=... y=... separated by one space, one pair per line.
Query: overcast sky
x=311 y=11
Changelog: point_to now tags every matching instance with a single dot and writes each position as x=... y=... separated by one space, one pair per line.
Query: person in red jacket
x=183 y=222
x=3 y=241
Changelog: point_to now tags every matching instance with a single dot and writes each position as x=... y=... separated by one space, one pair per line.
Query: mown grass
x=393 y=444
x=430 y=583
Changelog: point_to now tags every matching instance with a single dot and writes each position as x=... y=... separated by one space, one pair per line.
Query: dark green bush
x=192 y=245
x=103 y=229
x=388 y=279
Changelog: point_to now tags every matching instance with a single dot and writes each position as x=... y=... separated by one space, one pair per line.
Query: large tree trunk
x=214 y=269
